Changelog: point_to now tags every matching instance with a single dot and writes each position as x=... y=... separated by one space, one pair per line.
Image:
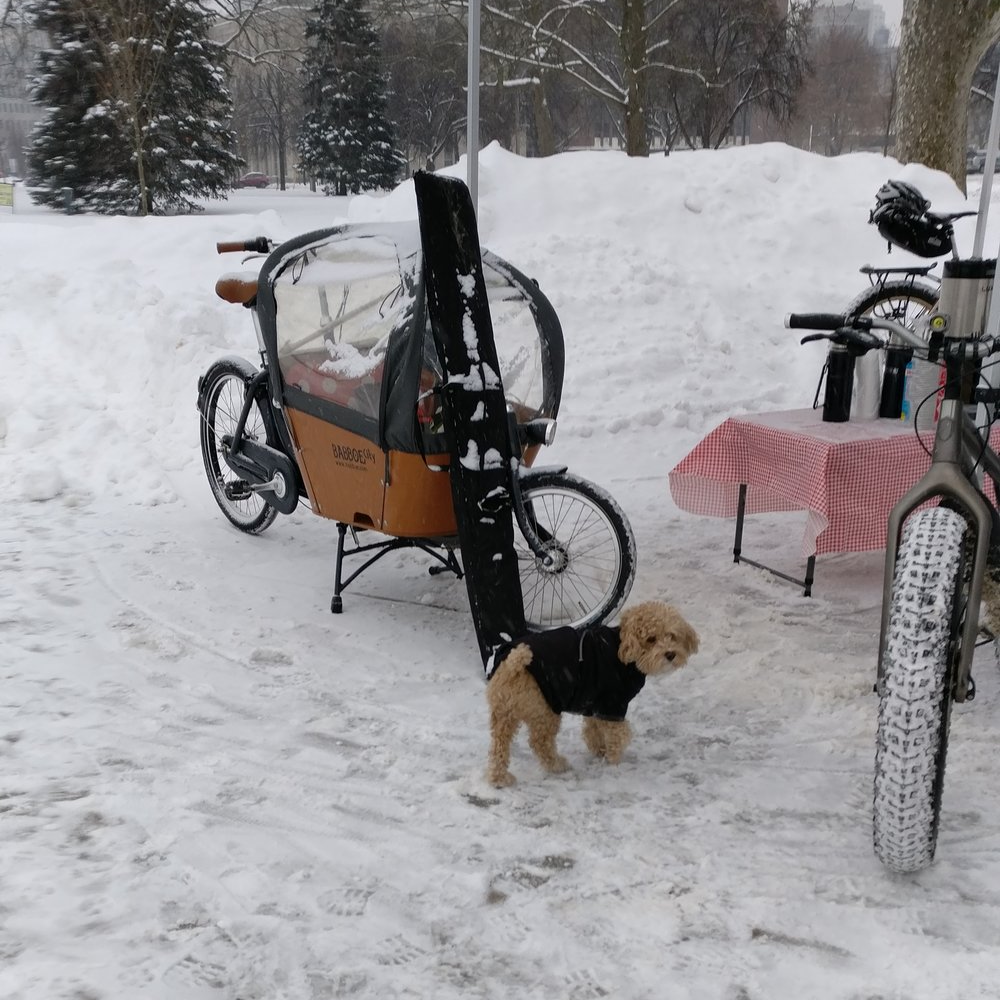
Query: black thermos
x=894 y=381
x=839 y=384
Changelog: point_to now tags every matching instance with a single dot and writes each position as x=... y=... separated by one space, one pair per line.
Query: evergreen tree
x=347 y=141
x=137 y=107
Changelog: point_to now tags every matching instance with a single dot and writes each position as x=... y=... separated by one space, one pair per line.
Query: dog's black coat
x=578 y=671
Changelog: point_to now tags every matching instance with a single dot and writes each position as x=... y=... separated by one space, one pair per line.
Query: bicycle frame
x=959 y=450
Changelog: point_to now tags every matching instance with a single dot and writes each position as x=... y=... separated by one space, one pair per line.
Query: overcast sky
x=893 y=12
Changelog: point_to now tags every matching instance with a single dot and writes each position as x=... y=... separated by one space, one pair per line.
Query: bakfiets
x=406 y=382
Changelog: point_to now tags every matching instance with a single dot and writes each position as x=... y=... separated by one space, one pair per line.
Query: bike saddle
x=947 y=217
x=237 y=288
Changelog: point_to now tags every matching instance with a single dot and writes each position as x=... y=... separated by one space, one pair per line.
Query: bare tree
x=425 y=59
x=267 y=42
x=744 y=54
x=845 y=98
x=256 y=31
x=607 y=47
x=941 y=44
x=18 y=47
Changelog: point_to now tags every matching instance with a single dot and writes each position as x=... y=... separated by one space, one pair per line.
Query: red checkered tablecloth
x=846 y=476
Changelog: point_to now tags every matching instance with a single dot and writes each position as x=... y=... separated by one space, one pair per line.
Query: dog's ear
x=688 y=637
x=630 y=646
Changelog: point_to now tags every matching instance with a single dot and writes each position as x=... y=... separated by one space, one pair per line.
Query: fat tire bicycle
x=943 y=536
x=938 y=558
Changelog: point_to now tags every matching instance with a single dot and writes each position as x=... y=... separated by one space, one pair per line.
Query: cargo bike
x=356 y=412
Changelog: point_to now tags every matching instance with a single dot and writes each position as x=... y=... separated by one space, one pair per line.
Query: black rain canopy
x=345 y=327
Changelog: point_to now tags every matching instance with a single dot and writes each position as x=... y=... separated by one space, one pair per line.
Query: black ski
x=474 y=407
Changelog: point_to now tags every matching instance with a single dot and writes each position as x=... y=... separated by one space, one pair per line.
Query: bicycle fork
x=947 y=480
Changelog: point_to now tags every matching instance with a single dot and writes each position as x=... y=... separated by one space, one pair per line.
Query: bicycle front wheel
x=927 y=607
x=592 y=552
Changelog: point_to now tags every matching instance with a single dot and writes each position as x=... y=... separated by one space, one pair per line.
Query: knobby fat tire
x=914 y=697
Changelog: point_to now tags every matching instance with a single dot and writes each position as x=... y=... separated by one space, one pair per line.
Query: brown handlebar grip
x=233 y=246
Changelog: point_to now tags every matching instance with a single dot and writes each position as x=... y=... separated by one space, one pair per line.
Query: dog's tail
x=511 y=656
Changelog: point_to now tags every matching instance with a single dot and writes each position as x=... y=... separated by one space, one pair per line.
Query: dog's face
x=656 y=638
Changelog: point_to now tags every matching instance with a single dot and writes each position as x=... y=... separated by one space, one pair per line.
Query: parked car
x=255 y=180
x=974 y=160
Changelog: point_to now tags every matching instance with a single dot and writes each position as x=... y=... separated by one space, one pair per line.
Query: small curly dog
x=594 y=672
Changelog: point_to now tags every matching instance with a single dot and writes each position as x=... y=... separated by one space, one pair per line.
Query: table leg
x=740 y=511
x=741 y=508
x=810 y=574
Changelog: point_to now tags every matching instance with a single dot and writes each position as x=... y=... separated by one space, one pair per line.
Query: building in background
x=17 y=118
x=865 y=17
x=19 y=47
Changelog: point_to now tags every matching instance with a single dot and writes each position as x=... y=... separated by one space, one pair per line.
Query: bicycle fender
x=247 y=370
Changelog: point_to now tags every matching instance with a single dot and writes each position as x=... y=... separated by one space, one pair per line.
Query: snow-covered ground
x=210 y=787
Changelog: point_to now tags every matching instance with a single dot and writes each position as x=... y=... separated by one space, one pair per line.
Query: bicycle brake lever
x=858 y=342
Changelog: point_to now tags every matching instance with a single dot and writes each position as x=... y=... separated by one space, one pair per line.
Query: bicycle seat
x=240 y=288
x=946 y=217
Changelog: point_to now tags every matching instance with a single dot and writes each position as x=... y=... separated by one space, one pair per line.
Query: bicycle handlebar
x=260 y=244
x=855 y=333
x=816 y=321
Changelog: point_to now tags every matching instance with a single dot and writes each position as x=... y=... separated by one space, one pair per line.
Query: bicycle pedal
x=238 y=490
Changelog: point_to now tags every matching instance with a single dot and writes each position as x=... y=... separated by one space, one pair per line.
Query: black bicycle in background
x=909 y=292
x=942 y=540
x=905 y=293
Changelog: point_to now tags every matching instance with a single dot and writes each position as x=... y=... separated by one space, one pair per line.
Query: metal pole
x=992 y=324
x=988 y=167
x=472 y=112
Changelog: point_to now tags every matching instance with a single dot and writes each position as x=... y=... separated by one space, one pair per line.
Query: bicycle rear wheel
x=904 y=302
x=927 y=607
x=223 y=395
x=901 y=301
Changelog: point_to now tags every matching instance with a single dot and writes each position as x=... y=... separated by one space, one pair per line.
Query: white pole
x=472 y=112
x=988 y=167
x=992 y=324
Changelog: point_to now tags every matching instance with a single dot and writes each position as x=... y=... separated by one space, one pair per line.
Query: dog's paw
x=501 y=779
x=557 y=765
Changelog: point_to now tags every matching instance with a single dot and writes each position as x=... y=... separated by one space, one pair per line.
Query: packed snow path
x=213 y=788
